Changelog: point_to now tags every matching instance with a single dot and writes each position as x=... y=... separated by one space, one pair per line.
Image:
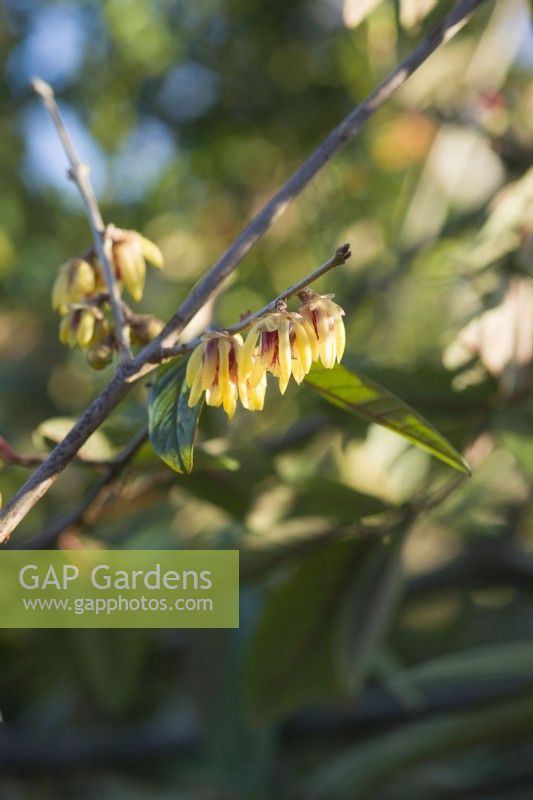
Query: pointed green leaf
x=366 y=611
x=290 y=662
x=171 y=423
x=362 y=396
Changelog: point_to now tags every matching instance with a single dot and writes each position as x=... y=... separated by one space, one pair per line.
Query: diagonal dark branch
x=118 y=387
x=76 y=516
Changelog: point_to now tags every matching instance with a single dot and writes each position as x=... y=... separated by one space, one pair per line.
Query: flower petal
x=210 y=365
x=303 y=346
x=85 y=329
x=340 y=337
x=213 y=396
x=196 y=389
x=194 y=363
x=245 y=360
x=311 y=336
x=151 y=252
x=229 y=397
x=284 y=353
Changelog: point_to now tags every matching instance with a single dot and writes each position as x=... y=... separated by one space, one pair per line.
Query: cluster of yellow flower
x=80 y=296
x=282 y=342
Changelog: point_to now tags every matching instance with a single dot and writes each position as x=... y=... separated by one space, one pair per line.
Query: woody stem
x=79 y=172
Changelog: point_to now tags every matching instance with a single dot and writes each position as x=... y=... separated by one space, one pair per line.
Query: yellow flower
x=130 y=252
x=278 y=343
x=77 y=326
x=324 y=325
x=76 y=279
x=253 y=395
x=213 y=368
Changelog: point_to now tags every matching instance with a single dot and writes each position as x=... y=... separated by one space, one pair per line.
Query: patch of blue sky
x=45 y=163
x=145 y=154
x=53 y=48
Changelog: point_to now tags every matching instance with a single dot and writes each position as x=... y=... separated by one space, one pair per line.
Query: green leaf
x=291 y=660
x=367 y=399
x=365 y=614
x=110 y=664
x=171 y=423
x=326 y=497
x=502 y=661
x=361 y=771
x=515 y=432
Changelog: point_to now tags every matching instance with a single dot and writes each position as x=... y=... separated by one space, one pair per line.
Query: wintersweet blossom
x=130 y=251
x=79 y=326
x=324 y=326
x=277 y=343
x=76 y=280
x=213 y=368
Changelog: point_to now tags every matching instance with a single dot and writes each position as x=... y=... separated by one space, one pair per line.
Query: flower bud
x=145 y=328
x=100 y=355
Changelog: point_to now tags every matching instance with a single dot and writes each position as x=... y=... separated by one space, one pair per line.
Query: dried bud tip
x=343 y=252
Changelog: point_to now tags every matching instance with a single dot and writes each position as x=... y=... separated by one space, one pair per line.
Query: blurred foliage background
x=384 y=651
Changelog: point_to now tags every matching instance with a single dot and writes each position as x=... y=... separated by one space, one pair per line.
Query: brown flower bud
x=100 y=355
x=145 y=328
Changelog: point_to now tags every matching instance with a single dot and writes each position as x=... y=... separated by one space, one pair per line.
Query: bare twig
x=340 y=256
x=10 y=457
x=79 y=172
x=118 y=387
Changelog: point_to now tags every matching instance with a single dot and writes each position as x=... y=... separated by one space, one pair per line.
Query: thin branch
x=340 y=256
x=10 y=457
x=118 y=388
x=50 y=534
x=79 y=172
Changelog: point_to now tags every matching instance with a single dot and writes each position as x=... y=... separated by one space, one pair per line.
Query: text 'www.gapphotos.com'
x=120 y=604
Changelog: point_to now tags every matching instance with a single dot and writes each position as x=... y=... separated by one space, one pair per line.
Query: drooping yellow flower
x=324 y=326
x=76 y=280
x=213 y=368
x=278 y=343
x=130 y=253
x=78 y=326
x=253 y=395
